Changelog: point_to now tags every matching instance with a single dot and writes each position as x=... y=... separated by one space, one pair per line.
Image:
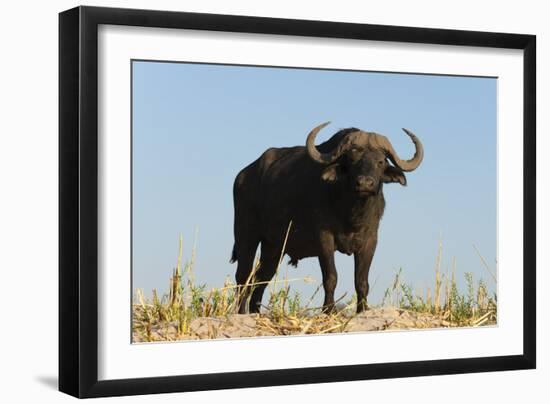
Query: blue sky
x=195 y=126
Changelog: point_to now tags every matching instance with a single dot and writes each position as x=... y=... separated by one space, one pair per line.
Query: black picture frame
x=78 y=200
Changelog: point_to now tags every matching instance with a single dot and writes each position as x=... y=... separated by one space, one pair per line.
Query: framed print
x=250 y=201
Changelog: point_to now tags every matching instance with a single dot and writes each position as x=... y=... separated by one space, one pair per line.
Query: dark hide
x=333 y=207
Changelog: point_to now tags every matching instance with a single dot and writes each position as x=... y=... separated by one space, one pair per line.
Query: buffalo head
x=361 y=161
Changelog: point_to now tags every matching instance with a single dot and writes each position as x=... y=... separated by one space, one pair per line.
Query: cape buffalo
x=333 y=196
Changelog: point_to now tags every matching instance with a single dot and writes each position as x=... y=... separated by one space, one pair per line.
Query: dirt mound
x=254 y=325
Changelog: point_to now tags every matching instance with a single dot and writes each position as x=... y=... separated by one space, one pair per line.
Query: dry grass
x=474 y=308
x=193 y=311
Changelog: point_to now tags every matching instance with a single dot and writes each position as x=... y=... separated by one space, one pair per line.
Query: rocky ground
x=254 y=325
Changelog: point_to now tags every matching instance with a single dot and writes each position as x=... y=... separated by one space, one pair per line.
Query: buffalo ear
x=394 y=174
x=330 y=173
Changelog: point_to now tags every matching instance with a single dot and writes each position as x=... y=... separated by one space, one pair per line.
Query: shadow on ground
x=48 y=381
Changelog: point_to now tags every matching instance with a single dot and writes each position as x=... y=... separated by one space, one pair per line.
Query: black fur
x=328 y=208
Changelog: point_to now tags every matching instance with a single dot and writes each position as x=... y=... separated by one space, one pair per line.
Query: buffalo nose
x=364 y=181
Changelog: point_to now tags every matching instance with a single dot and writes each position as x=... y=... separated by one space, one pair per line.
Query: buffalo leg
x=328 y=269
x=245 y=254
x=363 y=260
x=330 y=278
x=268 y=266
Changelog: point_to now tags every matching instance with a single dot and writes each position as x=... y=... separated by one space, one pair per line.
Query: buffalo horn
x=406 y=165
x=323 y=158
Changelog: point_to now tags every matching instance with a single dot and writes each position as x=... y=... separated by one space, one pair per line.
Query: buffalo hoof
x=329 y=308
x=362 y=307
x=254 y=308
